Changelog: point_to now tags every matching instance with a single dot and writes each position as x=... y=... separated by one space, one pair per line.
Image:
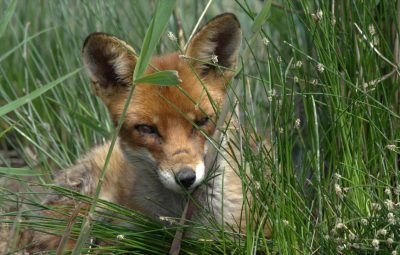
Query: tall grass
x=320 y=81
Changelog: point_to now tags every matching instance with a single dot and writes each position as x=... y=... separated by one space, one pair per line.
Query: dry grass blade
x=67 y=233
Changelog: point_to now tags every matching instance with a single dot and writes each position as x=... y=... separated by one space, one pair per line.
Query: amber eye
x=203 y=121
x=146 y=129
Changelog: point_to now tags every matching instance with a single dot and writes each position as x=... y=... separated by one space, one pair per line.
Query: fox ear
x=217 y=42
x=109 y=61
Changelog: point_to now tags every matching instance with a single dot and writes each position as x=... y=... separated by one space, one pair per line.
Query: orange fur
x=160 y=143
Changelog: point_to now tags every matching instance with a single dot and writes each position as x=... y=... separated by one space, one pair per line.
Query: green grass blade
x=4 y=132
x=19 y=171
x=7 y=17
x=162 y=78
x=31 y=96
x=157 y=27
x=261 y=17
x=8 y=53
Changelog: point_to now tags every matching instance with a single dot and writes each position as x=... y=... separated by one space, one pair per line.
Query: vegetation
x=318 y=79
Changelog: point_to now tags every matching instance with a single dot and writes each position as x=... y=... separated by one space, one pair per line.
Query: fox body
x=160 y=153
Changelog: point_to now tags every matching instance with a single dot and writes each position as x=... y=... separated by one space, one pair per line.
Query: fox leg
x=80 y=178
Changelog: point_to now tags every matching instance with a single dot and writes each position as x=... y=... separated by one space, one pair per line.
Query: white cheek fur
x=200 y=170
x=167 y=178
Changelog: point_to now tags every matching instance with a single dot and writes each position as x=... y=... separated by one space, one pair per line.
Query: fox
x=162 y=145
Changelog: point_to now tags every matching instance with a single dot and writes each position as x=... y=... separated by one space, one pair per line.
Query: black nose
x=186 y=176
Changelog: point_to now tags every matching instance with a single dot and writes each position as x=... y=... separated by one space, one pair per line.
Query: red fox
x=160 y=153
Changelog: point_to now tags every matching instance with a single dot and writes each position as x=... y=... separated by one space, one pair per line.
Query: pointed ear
x=220 y=37
x=109 y=61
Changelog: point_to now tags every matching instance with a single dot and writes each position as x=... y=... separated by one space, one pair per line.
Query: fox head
x=167 y=126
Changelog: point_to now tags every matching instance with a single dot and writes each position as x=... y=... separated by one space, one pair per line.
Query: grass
x=320 y=80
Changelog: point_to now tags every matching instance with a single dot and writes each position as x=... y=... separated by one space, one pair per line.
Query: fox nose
x=186 y=176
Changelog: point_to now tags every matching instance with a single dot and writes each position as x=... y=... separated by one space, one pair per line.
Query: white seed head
x=364 y=222
x=297 y=123
x=389 y=204
x=265 y=41
x=375 y=40
x=320 y=67
x=394 y=252
x=381 y=232
x=285 y=222
x=391 y=147
x=46 y=126
x=298 y=64
x=171 y=36
x=272 y=93
x=318 y=15
x=340 y=226
x=337 y=176
x=168 y=219
x=205 y=240
x=214 y=58
x=375 y=242
x=388 y=192
x=296 y=79
x=338 y=190
x=372 y=83
x=352 y=236
x=314 y=82
x=389 y=241
x=391 y=218
x=333 y=20
x=376 y=207
x=120 y=237
x=371 y=29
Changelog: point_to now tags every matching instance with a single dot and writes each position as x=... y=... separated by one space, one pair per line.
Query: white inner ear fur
x=122 y=66
x=206 y=50
x=91 y=70
x=118 y=54
x=209 y=47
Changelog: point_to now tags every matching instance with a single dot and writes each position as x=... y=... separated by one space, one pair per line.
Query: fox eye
x=203 y=121
x=146 y=129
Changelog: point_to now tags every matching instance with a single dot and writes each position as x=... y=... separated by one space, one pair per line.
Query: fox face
x=166 y=127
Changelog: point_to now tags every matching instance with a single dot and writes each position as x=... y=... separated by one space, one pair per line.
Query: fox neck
x=147 y=193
